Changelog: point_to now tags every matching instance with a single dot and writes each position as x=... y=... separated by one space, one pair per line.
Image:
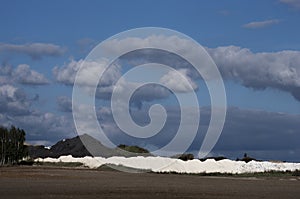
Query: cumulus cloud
x=6 y=74
x=21 y=74
x=186 y=50
x=292 y=3
x=143 y=93
x=16 y=108
x=279 y=70
x=24 y=75
x=261 y=24
x=90 y=72
x=45 y=126
x=34 y=50
x=148 y=93
x=66 y=74
x=116 y=46
x=179 y=81
x=13 y=101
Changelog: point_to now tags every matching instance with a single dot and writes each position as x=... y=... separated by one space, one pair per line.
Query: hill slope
x=76 y=148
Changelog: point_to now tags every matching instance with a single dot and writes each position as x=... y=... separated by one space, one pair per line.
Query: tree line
x=12 y=146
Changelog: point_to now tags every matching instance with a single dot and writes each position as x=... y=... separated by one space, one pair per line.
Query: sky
x=255 y=45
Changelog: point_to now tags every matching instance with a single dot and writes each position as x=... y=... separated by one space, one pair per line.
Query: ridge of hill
x=84 y=145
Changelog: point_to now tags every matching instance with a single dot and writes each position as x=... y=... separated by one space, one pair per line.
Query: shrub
x=296 y=173
x=186 y=157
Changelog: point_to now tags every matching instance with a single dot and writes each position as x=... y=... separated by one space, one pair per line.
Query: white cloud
x=261 y=24
x=146 y=93
x=179 y=81
x=279 y=70
x=292 y=3
x=24 y=75
x=6 y=74
x=185 y=47
x=13 y=101
x=34 y=50
x=8 y=91
x=89 y=73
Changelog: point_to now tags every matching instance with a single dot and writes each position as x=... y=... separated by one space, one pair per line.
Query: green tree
x=12 y=145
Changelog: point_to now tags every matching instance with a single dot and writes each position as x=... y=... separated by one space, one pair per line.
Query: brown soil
x=51 y=182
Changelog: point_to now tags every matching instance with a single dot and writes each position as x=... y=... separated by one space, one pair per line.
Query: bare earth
x=47 y=182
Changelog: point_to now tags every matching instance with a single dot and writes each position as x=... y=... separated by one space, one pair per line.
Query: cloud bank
x=34 y=50
x=277 y=70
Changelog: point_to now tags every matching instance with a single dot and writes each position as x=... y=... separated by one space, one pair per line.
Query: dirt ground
x=46 y=182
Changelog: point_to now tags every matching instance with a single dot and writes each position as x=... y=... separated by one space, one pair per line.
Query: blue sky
x=262 y=36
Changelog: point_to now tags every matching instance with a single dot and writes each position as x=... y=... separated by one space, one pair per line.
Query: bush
x=296 y=173
x=218 y=158
x=246 y=158
x=186 y=157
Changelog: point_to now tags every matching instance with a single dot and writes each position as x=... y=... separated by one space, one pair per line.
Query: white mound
x=162 y=164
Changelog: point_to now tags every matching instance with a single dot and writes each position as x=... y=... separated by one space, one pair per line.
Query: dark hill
x=76 y=148
x=71 y=146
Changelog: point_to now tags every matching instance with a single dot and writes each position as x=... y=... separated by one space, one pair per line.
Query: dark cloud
x=16 y=108
x=40 y=127
x=260 y=130
x=267 y=135
x=44 y=127
x=261 y=134
x=34 y=50
x=149 y=93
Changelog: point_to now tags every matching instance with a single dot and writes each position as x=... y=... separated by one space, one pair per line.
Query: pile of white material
x=163 y=164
